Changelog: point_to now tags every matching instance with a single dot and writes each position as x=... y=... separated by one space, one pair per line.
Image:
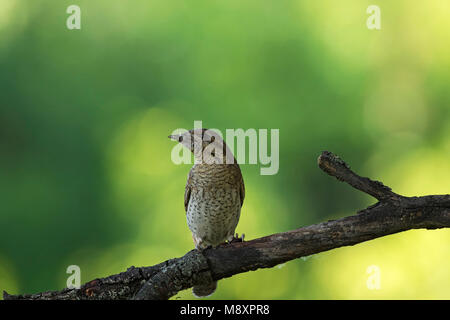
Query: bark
x=392 y=213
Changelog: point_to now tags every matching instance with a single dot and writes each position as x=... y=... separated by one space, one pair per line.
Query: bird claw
x=236 y=238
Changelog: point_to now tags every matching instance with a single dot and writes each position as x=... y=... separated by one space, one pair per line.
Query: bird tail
x=204 y=290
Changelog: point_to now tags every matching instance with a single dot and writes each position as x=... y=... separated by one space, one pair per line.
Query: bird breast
x=214 y=205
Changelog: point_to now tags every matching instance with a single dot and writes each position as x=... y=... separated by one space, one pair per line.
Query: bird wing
x=242 y=192
x=241 y=185
x=187 y=192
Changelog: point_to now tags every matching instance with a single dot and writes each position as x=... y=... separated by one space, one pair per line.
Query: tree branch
x=393 y=213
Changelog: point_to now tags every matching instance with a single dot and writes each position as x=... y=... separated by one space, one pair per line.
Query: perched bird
x=214 y=193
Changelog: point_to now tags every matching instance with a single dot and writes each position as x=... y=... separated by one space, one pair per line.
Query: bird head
x=206 y=145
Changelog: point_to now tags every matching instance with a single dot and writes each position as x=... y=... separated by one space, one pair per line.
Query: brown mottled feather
x=213 y=198
x=187 y=191
x=189 y=185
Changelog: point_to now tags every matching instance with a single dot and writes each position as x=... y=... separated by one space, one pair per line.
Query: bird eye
x=180 y=138
x=213 y=138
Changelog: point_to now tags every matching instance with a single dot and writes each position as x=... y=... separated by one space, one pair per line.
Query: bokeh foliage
x=85 y=170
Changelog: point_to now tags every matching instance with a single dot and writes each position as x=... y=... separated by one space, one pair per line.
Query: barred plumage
x=214 y=195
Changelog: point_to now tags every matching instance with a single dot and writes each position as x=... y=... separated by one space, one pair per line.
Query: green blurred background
x=85 y=170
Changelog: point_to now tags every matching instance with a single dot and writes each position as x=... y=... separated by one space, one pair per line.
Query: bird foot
x=236 y=238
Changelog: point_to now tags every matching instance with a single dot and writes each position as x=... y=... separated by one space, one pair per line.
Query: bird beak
x=173 y=137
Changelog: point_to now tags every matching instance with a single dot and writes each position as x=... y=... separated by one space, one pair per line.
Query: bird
x=214 y=194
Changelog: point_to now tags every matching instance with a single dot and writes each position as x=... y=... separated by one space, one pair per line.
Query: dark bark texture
x=391 y=214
